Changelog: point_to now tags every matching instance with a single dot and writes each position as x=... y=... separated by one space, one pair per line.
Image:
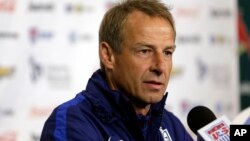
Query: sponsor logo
x=213 y=73
x=6 y=71
x=35 y=34
x=202 y=68
x=75 y=37
x=57 y=76
x=176 y=72
x=188 y=12
x=186 y=105
x=219 y=132
x=40 y=112
x=8 y=136
x=38 y=7
x=8 y=35
x=220 y=13
x=78 y=8
x=220 y=40
x=7 y=5
x=188 y=39
x=221 y=108
x=36 y=69
x=220 y=75
x=165 y=134
x=6 y=112
x=35 y=137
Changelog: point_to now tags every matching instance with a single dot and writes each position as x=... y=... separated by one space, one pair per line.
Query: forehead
x=137 y=19
x=141 y=24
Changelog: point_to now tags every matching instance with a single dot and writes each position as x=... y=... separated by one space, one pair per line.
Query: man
x=124 y=100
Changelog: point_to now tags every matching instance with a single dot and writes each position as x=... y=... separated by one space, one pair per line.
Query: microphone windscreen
x=199 y=117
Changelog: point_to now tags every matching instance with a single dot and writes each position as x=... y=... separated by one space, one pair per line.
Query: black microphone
x=202 y=121
x=198 y=117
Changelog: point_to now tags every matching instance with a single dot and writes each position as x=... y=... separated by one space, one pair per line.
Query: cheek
x=132 y=68
x=169 y=66
x=139 y=70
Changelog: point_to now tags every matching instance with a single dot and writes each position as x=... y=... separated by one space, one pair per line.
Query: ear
x=106 y=55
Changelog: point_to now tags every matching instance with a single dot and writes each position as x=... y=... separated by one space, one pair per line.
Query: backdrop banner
x=49 y=49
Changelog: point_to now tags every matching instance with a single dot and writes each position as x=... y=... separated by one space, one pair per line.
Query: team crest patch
x=113 y=138
x=165 y=134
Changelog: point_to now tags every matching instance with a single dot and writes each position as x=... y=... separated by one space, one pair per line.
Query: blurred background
x=49 y=49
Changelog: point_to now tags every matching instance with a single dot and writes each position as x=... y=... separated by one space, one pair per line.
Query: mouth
x=156 y=85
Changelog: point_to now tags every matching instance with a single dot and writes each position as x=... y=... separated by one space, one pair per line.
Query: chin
x=153 y=100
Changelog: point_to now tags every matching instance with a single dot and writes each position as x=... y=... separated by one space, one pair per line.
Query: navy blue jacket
x=102 y=114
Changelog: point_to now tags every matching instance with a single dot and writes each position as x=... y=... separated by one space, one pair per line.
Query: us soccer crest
x=217 y=130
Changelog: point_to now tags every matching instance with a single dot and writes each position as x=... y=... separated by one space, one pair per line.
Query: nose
x=159 y=64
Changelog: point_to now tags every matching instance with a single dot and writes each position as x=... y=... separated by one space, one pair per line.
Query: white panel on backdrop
x=49 y=49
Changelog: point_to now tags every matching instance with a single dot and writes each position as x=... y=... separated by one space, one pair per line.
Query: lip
x=153 y=84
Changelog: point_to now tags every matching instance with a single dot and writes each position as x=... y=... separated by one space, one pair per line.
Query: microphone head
x=198 y=117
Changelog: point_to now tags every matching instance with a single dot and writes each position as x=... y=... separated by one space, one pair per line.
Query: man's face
x=143 y=68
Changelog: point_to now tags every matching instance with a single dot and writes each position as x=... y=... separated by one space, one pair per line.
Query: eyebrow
x=171 y=47
x=152 y=46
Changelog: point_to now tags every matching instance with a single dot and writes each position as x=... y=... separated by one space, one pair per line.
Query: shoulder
x=69 y=120
x=73 y=106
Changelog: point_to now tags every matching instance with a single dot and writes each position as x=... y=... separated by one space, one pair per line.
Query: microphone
x=202 y=121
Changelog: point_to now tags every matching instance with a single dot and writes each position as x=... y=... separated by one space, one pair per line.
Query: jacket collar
x=105 y=100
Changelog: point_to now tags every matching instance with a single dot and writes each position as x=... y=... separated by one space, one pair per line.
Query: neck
x=141 y=110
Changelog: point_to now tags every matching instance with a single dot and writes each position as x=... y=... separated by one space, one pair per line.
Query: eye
x=168 y=53
x=144 y=52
